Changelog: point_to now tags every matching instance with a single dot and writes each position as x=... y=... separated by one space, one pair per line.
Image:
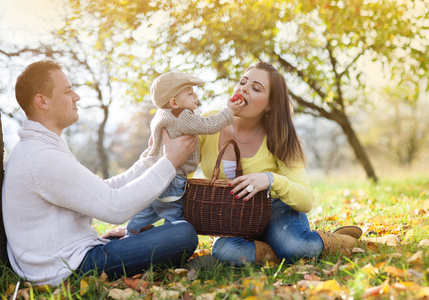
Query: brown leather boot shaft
x=265 y=253
x=336 y=243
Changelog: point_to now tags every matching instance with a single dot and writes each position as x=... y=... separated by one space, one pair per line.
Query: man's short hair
x=36 y=79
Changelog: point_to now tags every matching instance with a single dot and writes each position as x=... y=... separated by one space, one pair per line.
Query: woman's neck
x=246 y=125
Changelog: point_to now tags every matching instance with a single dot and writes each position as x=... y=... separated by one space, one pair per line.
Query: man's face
x=62 y=103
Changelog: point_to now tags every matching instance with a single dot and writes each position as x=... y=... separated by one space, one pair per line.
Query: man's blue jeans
x=288 y=233
x=167 y=245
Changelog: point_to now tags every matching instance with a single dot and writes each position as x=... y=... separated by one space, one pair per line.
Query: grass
x=395 y=206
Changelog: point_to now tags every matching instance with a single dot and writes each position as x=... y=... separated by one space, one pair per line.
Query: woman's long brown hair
x=282 y=138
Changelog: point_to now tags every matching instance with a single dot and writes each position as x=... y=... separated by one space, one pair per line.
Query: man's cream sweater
x=50 y=200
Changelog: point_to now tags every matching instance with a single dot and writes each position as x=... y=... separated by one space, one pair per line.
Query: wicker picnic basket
x=212 y=210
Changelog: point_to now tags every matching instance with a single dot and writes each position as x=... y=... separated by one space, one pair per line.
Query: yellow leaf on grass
x=425 y=204
x=409 y=234
x=83 y=286
x=210 y=296
x=369 y=270
x=10 y=290
x=423 y=293
x=119 y=294
x=424 y=243
x=416 y=259
x=395 y=271
x=256 y=285
x=405 y=286
x=329 y=285
x=181 y=271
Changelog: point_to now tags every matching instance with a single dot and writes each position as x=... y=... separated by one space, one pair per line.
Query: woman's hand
x=248 y=185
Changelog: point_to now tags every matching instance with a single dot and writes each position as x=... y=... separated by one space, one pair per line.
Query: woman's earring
x=267 y=112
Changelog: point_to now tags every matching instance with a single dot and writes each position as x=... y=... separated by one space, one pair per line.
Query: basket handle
x=216 y=171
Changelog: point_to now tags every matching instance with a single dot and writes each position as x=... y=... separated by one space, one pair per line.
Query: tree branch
x=290 y=68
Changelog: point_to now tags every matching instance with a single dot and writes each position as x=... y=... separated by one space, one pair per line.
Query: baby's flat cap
x=169 y=85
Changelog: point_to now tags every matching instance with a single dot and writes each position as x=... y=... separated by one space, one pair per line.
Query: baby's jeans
x=288 y=233
x=157 y=210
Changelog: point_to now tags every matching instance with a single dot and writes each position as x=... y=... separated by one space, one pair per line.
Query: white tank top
x=229 y=168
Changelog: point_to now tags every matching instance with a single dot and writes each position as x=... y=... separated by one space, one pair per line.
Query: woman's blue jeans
x=288 y=233
x=167 y=245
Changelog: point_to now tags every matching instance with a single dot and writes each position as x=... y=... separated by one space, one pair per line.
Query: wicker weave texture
x=212 y=210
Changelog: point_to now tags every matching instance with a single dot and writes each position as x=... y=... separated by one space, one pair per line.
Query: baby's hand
x=235 y=103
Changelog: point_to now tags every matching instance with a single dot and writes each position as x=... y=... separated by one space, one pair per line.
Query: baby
x=173 y=94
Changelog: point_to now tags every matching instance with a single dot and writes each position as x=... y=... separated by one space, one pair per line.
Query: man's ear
x=173 y=103
x=40 y=101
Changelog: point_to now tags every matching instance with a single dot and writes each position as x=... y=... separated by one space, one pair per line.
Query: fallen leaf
x=409 y=234
x=23 y=293
x=311 y=277
x=10 y=290
x=389 y=240
x=193 y=274
x=416 y=259
x=372 y=291
x=83 y=286
x=119 y=294
x=169 y=295
x=177 y=286
x=405 y=286
x=384 y=288
x=414 y=274
x=333 y=270
x=103 y=277
x=255 y=285
x=309 y=283
x=394 y=271
x=329 y=285
x=181 y=271
x=424 y=243
x=358 y=250
x=369 y=270
x=210 y=296
x=423 y=293
x=134 y=283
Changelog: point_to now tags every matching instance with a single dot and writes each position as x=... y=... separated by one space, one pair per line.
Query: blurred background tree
x=321 y=45
x=325 y=49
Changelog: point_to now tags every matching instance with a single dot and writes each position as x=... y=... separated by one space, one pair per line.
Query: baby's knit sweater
x=180 y=122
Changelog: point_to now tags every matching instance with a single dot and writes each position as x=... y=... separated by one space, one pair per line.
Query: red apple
x=237 y=97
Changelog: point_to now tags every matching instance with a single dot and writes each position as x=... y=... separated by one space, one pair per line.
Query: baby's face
x=187 y=99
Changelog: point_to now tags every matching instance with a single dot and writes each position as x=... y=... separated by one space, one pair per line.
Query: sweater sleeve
x=190 y=123
x=66 y=183
x=293 y=188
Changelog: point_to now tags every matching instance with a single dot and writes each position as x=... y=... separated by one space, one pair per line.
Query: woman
x=272 y=158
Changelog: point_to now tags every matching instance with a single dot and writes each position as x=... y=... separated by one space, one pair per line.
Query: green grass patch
x=394 y=206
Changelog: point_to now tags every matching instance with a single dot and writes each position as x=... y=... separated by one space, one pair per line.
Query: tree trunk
x=340 y=117
x=104 y=161
x=357 y=147
x=3 y=252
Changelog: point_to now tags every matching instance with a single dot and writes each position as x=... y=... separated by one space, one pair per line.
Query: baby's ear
x=173 y=103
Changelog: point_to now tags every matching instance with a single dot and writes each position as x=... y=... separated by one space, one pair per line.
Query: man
x=49 y=198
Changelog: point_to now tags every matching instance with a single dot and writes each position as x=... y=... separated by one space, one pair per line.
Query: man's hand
x=178 y=150
x=118 y=232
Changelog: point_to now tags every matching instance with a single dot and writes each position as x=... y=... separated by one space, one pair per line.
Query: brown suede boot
x=352 y=231
x=336 y=243
x=265 y=253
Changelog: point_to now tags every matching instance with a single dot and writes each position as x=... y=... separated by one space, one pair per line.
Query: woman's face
x=255 y=88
